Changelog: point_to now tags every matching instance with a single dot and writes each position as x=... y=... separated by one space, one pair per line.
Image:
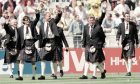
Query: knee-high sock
x=21 y=67
x=86 y=67
x=126 y=64
x=55 y=67
x=43 y=67
x=52 y=69
x=10 y=68
x=94 y=69
x=129 y=64
x=101 y=66
x=33 y=69
x=61 y=65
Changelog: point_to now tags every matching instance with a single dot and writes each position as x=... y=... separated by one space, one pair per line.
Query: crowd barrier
x=74 y=62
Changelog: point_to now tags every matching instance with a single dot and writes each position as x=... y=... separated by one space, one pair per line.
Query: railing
x=110 y=40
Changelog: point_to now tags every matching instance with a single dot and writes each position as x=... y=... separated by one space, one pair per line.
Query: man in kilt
x=58 y=54
x=28 y=36
x=129 y=36
x=11 y=44
x=48 y=34
x=93 y=41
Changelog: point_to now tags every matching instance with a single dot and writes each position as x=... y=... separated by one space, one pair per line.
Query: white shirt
x=50 y=34
x=29 y=35
x=137 y=12
x=126 y=27
x=121 y=9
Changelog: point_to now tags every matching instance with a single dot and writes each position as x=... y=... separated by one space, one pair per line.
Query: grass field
x=112 y=78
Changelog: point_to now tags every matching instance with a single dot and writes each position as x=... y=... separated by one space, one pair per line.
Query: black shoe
x=41 y=78
x=33 y=78
x=83 y=77
x=93 y=77
x=103 y=76
x=54 y=77
x=18 y=73
x=128 y=74
x=11 y=76
x=19 y=78
x=61 y=73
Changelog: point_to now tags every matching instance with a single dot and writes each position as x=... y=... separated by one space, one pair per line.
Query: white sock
x=33 y=70
x=101 y=67
x=10 y=69
x=21 y=67
x=126 y=64
x=94 y=69
x=86 y=67
x=61 y=65
x=52 y=69
x=43 y=67
x=129 y=64
x=55 y=68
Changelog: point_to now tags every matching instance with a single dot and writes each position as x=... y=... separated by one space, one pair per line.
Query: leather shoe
x=19 y=78
x=41 y=78
x=93 y=77
x=33 y=78
x=54 y=77
x=61 y=73
x=11 y=76
x=103 y=76
x=128 y=74
x=83 y=77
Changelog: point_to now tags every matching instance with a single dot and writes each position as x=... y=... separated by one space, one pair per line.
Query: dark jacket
x=133 y=32
x=97 y=38
x=33 y=31
x=61 y=38
x=53 y=25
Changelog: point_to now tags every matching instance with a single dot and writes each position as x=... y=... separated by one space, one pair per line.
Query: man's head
x=127 y=17
x=47 y=16
x=13 y=22
x=122 y=1
x=5 y=14
x=91 y=20
x=26 y=20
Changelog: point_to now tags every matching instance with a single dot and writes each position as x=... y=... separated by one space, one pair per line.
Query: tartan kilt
x=28 y=58
x=57 y=54
x=45 y=55
x=97 y=56
x=8 y=58
x=128 y=53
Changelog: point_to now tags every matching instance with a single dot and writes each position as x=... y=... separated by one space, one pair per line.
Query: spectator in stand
x=76 y=28
x=30 y=10
x=108 y=23
x=11 y=4
x=131 y=4
x=1 y=5
x=80 y=11
x=65 y=19
x=121 y=8
x=137 y=15
x=117 y=21
x=95 y=10
x=19 y=12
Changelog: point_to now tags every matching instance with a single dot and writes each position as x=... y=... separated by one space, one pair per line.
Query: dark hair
x=25 y=18
x=125 y=13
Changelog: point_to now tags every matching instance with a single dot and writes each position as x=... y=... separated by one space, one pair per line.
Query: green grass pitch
x=112 y=78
